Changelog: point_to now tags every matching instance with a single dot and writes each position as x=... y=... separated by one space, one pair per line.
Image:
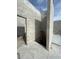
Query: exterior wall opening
x=40 y=35
x=21 y=31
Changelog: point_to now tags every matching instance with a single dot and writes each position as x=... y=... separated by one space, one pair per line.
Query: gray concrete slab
x=35 y=51
x=20 y=42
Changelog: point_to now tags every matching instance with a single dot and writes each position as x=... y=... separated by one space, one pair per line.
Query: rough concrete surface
x=20 y=42
x=35 y=51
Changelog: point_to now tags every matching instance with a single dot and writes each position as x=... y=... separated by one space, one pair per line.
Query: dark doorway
x=21 y=29
x=40 y=36
x=21 y=32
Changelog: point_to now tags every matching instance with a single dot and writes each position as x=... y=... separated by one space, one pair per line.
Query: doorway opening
x=40 y=35
x=21 y=30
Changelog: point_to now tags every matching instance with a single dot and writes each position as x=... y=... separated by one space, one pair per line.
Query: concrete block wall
x=20 y=21
x=30 y=30
x=57 y=27
x=28 y=11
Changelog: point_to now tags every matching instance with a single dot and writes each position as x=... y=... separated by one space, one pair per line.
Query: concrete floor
x=36 y=51
x=20 y=42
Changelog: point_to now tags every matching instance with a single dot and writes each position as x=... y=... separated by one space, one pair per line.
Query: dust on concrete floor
x=36 y=51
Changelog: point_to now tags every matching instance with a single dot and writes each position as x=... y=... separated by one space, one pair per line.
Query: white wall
x=26 y=9
x=30 y=30
x=20 y=21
